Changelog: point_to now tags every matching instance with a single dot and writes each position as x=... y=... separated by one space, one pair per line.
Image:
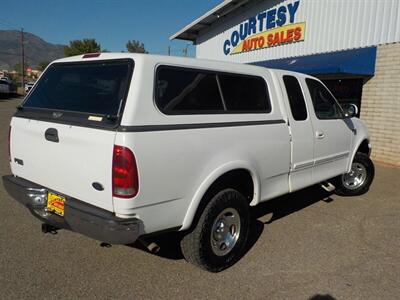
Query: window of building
x=325 y=105
x=296 y=98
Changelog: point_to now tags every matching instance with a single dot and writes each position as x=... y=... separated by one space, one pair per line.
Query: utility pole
x=23 y=60
x=169 y=50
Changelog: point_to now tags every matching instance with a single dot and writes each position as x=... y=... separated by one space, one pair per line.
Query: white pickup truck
x=118 y=146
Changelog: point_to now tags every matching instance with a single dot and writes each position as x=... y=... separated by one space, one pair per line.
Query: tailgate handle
x=51 y=135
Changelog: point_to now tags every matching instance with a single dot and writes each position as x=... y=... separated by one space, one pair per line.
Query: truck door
x=332 y=132
x=301 y=134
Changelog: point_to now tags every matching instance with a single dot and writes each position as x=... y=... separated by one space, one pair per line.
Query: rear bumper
x=78 y=216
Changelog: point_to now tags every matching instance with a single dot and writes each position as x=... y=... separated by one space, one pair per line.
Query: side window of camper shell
x=182 y=91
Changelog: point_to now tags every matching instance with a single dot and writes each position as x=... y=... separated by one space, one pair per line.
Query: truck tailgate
x=82 y=156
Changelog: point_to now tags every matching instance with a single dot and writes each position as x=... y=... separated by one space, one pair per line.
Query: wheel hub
x=225 y=231
x=356 y=177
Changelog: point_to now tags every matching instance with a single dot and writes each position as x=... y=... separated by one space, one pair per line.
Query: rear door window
x=98 y=88
x=296 y=98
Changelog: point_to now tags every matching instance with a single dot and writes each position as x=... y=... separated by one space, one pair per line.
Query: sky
x=111 y=22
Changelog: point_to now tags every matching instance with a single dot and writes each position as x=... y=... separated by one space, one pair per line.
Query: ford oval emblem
x=97 y=186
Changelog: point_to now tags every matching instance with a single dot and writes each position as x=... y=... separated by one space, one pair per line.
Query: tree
x=18 y=68
x=135 y=47
x=43 y=65
x=77 y=47
x=16 y=77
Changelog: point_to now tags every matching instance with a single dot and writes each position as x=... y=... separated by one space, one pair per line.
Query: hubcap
x=225 y=231
x=356 y=177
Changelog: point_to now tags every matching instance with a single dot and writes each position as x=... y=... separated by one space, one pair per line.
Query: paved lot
x=303 y=246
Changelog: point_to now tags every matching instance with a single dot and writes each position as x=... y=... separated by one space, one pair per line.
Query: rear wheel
x=359 y=179
x=219 y=238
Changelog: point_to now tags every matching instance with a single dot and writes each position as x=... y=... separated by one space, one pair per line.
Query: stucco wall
x=380 y=106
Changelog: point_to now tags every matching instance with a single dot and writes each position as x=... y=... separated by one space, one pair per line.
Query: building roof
x=191 y=31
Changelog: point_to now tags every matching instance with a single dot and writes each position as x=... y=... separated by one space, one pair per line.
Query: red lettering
x=276 y=40
x=261 y=42
x=270 y=39
x=297 y=33
x=287 y=36
x=290 y=35
x=246 y=45
x=283 y=38
x=273 y=39
x=58 y=204
x=253 y=43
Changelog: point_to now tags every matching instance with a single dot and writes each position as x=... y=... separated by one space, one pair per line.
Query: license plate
x=55 y=203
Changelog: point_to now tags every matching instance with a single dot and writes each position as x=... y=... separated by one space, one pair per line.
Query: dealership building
x=353 y=46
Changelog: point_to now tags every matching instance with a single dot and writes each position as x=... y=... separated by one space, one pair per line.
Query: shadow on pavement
x=279 y=208
x=322 y=297
x=10 y=97
x=285 y=205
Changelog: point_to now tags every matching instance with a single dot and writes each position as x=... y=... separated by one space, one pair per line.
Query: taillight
x=124 y=173
x=9 y=143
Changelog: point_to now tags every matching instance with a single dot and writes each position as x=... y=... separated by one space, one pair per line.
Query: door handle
x=51 y=135
x=319 y=135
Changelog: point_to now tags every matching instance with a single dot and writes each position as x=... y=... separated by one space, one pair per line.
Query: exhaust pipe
x=151 y=246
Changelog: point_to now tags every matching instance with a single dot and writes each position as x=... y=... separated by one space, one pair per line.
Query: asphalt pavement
x=308 y=245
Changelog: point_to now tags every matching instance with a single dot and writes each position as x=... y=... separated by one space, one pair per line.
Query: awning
x=355 y=62
x=191 y=32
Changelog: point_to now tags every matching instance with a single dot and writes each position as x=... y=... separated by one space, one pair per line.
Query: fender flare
x=211 y=178
x=354 y=151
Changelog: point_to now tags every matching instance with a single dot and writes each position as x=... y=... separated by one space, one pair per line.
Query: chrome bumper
x=78 y=216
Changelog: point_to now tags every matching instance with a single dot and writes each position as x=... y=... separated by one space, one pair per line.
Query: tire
x=203 y=247
x=358 y=182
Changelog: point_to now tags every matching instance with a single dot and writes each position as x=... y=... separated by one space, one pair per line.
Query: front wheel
x=219 y=238
x=359 y=179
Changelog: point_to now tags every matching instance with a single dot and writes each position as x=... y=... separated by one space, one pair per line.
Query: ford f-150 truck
x=118 y=146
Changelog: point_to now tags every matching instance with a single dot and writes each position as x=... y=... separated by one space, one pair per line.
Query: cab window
x=325 y=105
x=296 y=99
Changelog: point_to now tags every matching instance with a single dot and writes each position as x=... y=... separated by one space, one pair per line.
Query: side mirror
x=351 y=110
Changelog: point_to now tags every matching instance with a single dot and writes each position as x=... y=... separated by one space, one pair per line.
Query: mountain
x=36 y=49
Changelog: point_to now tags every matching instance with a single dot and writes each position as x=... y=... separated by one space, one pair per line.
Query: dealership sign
x=270 y=28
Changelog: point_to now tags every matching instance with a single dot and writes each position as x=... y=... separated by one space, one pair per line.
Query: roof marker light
x=90 y=55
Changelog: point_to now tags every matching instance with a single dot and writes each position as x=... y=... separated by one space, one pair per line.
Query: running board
x=327 y=186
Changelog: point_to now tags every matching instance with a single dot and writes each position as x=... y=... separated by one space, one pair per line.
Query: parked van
x=119 y=146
